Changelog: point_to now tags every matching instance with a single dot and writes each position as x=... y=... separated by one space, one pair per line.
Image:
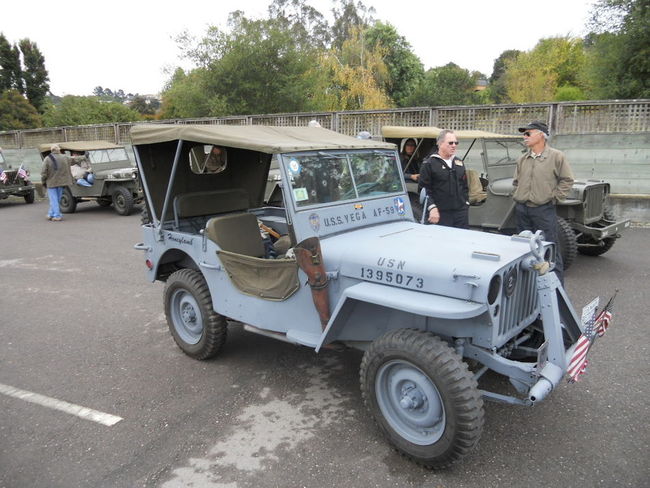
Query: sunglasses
x=452 y=143
x=528 y=133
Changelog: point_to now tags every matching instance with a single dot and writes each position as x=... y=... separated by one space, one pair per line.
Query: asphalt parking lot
x=83 y=343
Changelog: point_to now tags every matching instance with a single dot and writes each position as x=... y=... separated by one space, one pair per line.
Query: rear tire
x=422 y=396
x=567 y=243
x=68 y=203
x=123 y=200
x=198 y=330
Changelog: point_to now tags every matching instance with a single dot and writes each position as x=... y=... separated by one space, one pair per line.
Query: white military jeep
x=344 y=263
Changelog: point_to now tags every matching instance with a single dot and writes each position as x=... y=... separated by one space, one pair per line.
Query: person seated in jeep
x=409 y=159
x=216 y=161
x=81 y=170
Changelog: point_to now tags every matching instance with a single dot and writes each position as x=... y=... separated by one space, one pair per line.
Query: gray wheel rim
x=410 y=402
x=186 y=317
x=120 y=201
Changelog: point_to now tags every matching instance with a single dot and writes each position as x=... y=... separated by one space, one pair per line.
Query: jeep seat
x=238 y=233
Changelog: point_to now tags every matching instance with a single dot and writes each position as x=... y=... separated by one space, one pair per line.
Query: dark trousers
x=542 y=218
x=455 y=218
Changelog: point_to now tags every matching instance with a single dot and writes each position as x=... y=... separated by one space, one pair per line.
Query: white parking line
x=71 y=408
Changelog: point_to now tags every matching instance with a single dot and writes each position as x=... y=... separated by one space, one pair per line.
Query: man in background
x=542 y=177
x=443 y=176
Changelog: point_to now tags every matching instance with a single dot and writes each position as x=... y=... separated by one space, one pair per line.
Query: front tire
x=568 y=243
x=123 y=200
x=197 y=329
x=68 y=203
x=422 y=396
x=29 y=196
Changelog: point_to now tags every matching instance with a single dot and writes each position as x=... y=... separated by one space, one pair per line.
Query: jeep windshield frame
x=332 y=177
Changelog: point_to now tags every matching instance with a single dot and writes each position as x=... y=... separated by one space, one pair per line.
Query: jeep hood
x=428 y=258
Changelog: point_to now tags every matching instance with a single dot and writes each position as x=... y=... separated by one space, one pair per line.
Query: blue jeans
x=54 y=194
x=87 y=180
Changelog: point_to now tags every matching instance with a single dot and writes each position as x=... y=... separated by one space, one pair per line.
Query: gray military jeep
x=116 y=177
x=586 y=224
x=15 y=182
x=343 y=263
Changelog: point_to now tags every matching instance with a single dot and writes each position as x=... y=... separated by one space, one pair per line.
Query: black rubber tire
x=29 y=196
x=144 y=215
x=68 y=203
x=416 y=206
x=104 y=202
x=123 y=200
x=606 y=244
x=197 y=329
x=395 y=359
x=568 y=243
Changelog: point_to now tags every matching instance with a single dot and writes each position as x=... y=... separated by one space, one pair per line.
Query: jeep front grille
x=593 y=204
x=520 y=308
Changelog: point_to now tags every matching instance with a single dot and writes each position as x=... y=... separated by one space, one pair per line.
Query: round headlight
x=493 y=290
x=510 y=282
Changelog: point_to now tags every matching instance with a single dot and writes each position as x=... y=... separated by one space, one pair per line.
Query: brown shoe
x=49 y=218
x=56 y=219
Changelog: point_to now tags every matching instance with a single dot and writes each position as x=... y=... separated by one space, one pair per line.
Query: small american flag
x=605 y=317
x=21 y=172
x=3 y=176
x=578 y=363
x=595 y=325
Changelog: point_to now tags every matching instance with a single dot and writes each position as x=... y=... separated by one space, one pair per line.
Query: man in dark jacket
x=443 y=176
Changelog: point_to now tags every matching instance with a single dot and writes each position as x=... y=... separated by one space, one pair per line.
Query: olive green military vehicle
x=15 y=182
x=115 y=177
x=586 y=224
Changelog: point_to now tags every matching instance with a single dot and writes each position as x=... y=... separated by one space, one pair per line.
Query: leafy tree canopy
x=405 y=69
x=75 y=110
x=445 y=85
x=16 y=112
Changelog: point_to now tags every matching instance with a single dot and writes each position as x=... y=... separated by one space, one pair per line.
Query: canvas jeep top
x=343 y=263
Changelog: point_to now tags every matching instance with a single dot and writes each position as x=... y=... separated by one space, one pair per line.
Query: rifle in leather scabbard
x=309 y=258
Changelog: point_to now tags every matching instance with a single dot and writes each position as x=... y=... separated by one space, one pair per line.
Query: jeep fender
x=408 y=301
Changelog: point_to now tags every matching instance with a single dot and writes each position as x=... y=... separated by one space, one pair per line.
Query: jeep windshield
x=336 y=176
x=503 y=152
x=108 y=155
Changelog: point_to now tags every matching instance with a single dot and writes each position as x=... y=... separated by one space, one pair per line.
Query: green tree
x=349 y=16
x=497 y=90
x=620 y=34
x=353 y=77
x=11 y=76
x=75 y=110
x=445 y=85
x=35 y=75
x=405 y=69
x=536 y=75
x=256 y=67
x=16 y=112
x=306 y=24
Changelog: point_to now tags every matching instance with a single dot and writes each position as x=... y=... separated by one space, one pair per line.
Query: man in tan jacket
x=55 y=176
x=542 y=177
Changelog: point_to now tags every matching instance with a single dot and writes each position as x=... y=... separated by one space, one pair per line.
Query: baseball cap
x=535 y=125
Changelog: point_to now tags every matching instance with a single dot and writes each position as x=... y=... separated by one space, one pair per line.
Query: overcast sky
x=127 y=45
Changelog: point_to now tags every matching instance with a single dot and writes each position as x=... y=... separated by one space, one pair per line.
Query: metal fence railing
x=608 y=116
